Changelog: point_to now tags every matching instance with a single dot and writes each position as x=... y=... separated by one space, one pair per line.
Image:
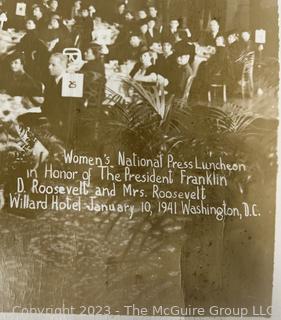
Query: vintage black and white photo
x=138 y=153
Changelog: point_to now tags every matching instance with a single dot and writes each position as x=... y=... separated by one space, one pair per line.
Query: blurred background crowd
x=202 y=51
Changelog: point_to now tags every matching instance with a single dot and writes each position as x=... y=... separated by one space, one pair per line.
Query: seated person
x=16 y=82
x=166 y=61
x=233 y=46
x=152 y=35
x=94 y=71
x=208 y=38
x=53 y=6
x=234 y=53
x=119 y=49
x=153 y=13
x=92 y=56
x=141 y=16
x=143 y=33
x=55 y=36
x=183 y=45
x=182 y=73
x=45 y=4
x=120 y=18
x=246 y=43
x=184 y=31
x=156 y=49
x=38 y=16
x=144 y=71
x=92 y=10
x=172 y=35
x=130 y=23
x=76 y=9
x=211 y=70
x=217 y=65
x=84 y=27
x=60 y=111
x=134 y=50
x=35 y=52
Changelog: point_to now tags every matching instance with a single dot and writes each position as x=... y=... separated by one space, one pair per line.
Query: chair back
x=249 y=61
x=74 y=55
x=181 y=102
x=247 y=74
x=188 y=87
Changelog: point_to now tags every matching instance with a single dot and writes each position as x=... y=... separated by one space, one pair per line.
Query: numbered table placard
x=21 y=9
x=260 y=36
x=72 y=85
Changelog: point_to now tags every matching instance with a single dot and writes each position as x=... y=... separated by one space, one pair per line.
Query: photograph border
x=276 y=296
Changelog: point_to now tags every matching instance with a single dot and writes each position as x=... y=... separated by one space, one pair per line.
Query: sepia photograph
x=138 y=157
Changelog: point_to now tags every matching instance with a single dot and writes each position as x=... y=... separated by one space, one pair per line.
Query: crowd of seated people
x=165 y=54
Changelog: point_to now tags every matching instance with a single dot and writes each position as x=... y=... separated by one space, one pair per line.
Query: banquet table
x=115 y=74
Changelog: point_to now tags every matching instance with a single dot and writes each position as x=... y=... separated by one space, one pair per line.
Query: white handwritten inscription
x=132 y=184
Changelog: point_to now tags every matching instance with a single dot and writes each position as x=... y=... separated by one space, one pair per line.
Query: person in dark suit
x=94 y=72
x=143 y=32
x=120 y=17
x=152 y=35
x=84 y=26
x=130 y=23
x=94 y=60
x=233 y=50
x=55 y=35
x=38 y=17
x=208 y=38
x=184 y=46
x=172 y=34
x=166 y=61
x=182 y=72
x=144 y=71
x=76 y=9
x=217 y=65
x=16 y=82
x=134 y=50
x=141 y=16
x=246 y=43
x=35 y=52
x=153 y=13
x=233 y=45
x=60 y=111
